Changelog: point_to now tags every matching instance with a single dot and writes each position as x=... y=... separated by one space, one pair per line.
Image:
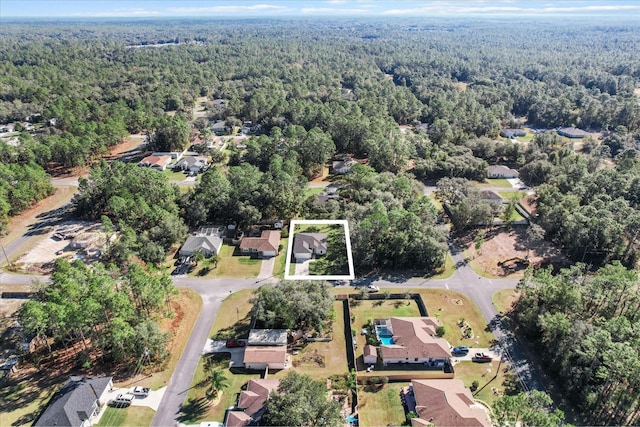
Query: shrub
x=440 y=331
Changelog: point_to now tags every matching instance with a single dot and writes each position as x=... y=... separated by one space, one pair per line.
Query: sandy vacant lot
x=503 y=244
x=70 y=240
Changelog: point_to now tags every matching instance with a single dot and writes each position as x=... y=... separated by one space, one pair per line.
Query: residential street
x=464 y=280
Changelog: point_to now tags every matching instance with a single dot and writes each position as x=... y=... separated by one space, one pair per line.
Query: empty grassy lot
x=495 y=182
x=491 y=380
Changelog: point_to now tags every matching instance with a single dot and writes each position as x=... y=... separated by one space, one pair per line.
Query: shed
x=370 y=354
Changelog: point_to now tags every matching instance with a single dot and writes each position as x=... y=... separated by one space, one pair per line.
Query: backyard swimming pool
x=386 y=340
x=384 y=335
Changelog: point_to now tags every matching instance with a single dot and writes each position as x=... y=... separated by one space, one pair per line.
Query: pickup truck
x=140 y=391
x=122 y=400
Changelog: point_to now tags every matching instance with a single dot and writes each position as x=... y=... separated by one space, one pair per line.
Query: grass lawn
x=446 y=271
x=504 y=298
x=312 y=191
x=335 y=262
x=233 y=317
x=281 y=259
x=449 y=307
x=198 y=408
x=508 y=195
x=491 y=386
x=381 y=407
x=320 y=360
x=175 y=176
x=131 y=416
x=495 y=182
x=22 y=400
x=180 y=325
x=229 y=265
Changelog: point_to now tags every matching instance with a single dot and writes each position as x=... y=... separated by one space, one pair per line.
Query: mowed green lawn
x=228 y=265
x=131 y=416
x=381 y=406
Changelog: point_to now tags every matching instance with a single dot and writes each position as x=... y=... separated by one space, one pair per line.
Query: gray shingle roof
x=74 y=403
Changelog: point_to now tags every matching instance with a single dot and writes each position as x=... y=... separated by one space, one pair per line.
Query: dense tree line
x=22 y=183
x=588 y=329
x=592 y=212
x=392 y=224
x=114 y=319
x=140 y=202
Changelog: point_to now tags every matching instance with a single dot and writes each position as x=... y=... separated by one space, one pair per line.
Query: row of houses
x=209 y=240
x=162 y=161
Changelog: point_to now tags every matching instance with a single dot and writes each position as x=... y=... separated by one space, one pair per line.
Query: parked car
x=235 y=343
x=373 y=288
x=460 y=350
x=122 y=400
x=482 y=357
x=140 y=391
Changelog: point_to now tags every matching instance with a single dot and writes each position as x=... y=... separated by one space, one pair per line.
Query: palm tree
x=197 y=257
x=213 y=260
x=217 y=381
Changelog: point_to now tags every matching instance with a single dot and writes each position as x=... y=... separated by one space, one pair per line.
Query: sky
x=273 y=8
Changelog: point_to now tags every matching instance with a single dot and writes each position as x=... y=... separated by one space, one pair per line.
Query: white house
x=500 y=171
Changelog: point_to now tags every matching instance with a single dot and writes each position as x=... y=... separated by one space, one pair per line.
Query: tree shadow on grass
x=193 y=410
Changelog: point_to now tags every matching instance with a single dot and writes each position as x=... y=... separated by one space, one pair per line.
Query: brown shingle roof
x=255 y=396
x=415 y=337
x=155 y=161
x=268 y=241
x=237 y=419
x=447 y=403
x=370 y=350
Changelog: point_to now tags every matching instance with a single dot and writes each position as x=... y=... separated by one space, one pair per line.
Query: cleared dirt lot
x=68 y=239
x=504 y=244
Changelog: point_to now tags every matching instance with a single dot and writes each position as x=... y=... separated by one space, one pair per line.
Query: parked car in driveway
x=482 y=357
x=140 y=391
x=235 y=343
x=458 y=351
x=373 y=288
x=122 y=400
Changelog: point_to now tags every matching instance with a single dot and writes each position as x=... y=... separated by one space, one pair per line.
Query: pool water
x=386 y=340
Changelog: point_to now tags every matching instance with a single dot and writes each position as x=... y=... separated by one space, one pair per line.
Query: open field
x=502 y=244
x=504 y=299
x=381 y=406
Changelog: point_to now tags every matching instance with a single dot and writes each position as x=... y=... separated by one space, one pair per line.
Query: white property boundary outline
x=292 y=229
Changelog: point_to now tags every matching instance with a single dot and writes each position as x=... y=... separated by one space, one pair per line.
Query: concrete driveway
x=237 y=353
x=495 y=354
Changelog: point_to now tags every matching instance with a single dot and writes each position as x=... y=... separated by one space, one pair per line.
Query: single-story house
x=77 y=403
x=512 y=133
x=207 y=245
x=501 y=171
x=268 y=337
x=220 y=128
x=370 y=354
x=413 y=340
x=155 y=162
x=572 y=132
x=251 y=403
x=343 y=167
x=191 y=163
x=306 y=245
x=261 y=357
x=445 y=402
x=267 y=245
